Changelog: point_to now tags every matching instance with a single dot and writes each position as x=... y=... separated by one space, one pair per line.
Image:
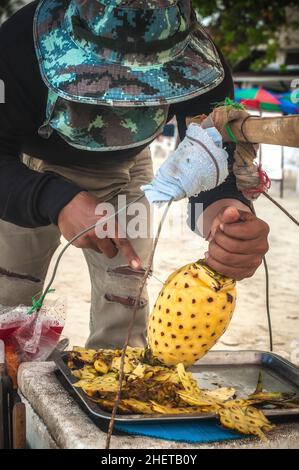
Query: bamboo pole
x=277 y=130
x=281 y=130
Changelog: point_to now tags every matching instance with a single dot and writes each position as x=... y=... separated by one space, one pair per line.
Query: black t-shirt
x=32 y=199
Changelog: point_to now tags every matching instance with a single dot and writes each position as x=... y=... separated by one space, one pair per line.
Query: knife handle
x=5 y=415
x=19 y=426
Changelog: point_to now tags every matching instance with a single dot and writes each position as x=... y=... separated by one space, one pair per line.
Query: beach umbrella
x=258 y=98
x=287 y=106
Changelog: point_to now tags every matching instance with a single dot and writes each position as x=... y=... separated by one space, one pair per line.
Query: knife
x=2 y=357
x=5 y=384
x=12 y=410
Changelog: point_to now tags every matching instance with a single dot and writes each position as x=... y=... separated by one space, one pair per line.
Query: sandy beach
x=248 y=329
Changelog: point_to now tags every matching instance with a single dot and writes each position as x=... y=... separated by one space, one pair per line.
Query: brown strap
x=242 y=127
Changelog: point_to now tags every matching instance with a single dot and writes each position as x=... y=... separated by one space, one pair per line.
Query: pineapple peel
x=155 y=389
x=246 y=420
x=192 y=312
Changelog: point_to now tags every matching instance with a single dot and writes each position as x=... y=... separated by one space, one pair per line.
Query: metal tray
x=238 y=369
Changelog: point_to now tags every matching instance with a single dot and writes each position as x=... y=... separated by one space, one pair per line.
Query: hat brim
x=76 y=74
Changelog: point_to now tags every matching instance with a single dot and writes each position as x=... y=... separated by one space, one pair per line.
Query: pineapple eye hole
x=193 y=301
x=186 y=285
x=179 y=313
x=210 y=299
x=193 y=315
x=167 y=310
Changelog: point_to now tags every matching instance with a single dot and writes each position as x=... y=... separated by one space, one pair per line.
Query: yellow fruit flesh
x=192 y=312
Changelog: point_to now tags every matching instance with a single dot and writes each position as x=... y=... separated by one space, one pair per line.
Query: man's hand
x=238 y=242
x=79 y=214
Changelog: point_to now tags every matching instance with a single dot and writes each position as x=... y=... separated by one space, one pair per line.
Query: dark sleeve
x=27 y=198
x=204 y=104
x=226 y=190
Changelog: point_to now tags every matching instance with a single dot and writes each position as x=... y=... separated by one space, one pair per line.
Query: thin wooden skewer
x=281 y=208
x=136 y=305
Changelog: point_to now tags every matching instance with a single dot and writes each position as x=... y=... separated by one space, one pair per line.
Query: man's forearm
x=31 y=199
x=208 y=215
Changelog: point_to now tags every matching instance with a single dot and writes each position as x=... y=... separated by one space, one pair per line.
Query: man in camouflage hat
x=88 y=86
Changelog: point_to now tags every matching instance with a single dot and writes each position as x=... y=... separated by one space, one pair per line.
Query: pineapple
x=192 y=312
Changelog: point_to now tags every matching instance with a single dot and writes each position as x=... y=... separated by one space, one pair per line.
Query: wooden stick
x=136 y=306
x=277 y=130
x=282 y=130
x=287 y=213
x=19 y=426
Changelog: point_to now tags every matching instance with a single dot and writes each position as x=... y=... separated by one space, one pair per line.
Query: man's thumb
x=230 y=215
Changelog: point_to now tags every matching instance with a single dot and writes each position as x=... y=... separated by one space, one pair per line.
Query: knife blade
x=2 y=358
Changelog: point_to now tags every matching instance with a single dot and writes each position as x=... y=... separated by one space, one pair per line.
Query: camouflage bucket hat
x=124 y=52
x=102 y=128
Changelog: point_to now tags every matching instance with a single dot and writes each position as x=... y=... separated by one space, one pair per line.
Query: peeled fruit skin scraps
x=192 y=312
x=157 y=389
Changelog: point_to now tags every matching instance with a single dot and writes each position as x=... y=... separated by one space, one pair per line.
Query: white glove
x=198 y=164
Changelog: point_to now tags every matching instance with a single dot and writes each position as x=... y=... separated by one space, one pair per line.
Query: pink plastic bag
x=34 y=336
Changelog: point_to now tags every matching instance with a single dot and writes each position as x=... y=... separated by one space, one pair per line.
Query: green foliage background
x=239 y=26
